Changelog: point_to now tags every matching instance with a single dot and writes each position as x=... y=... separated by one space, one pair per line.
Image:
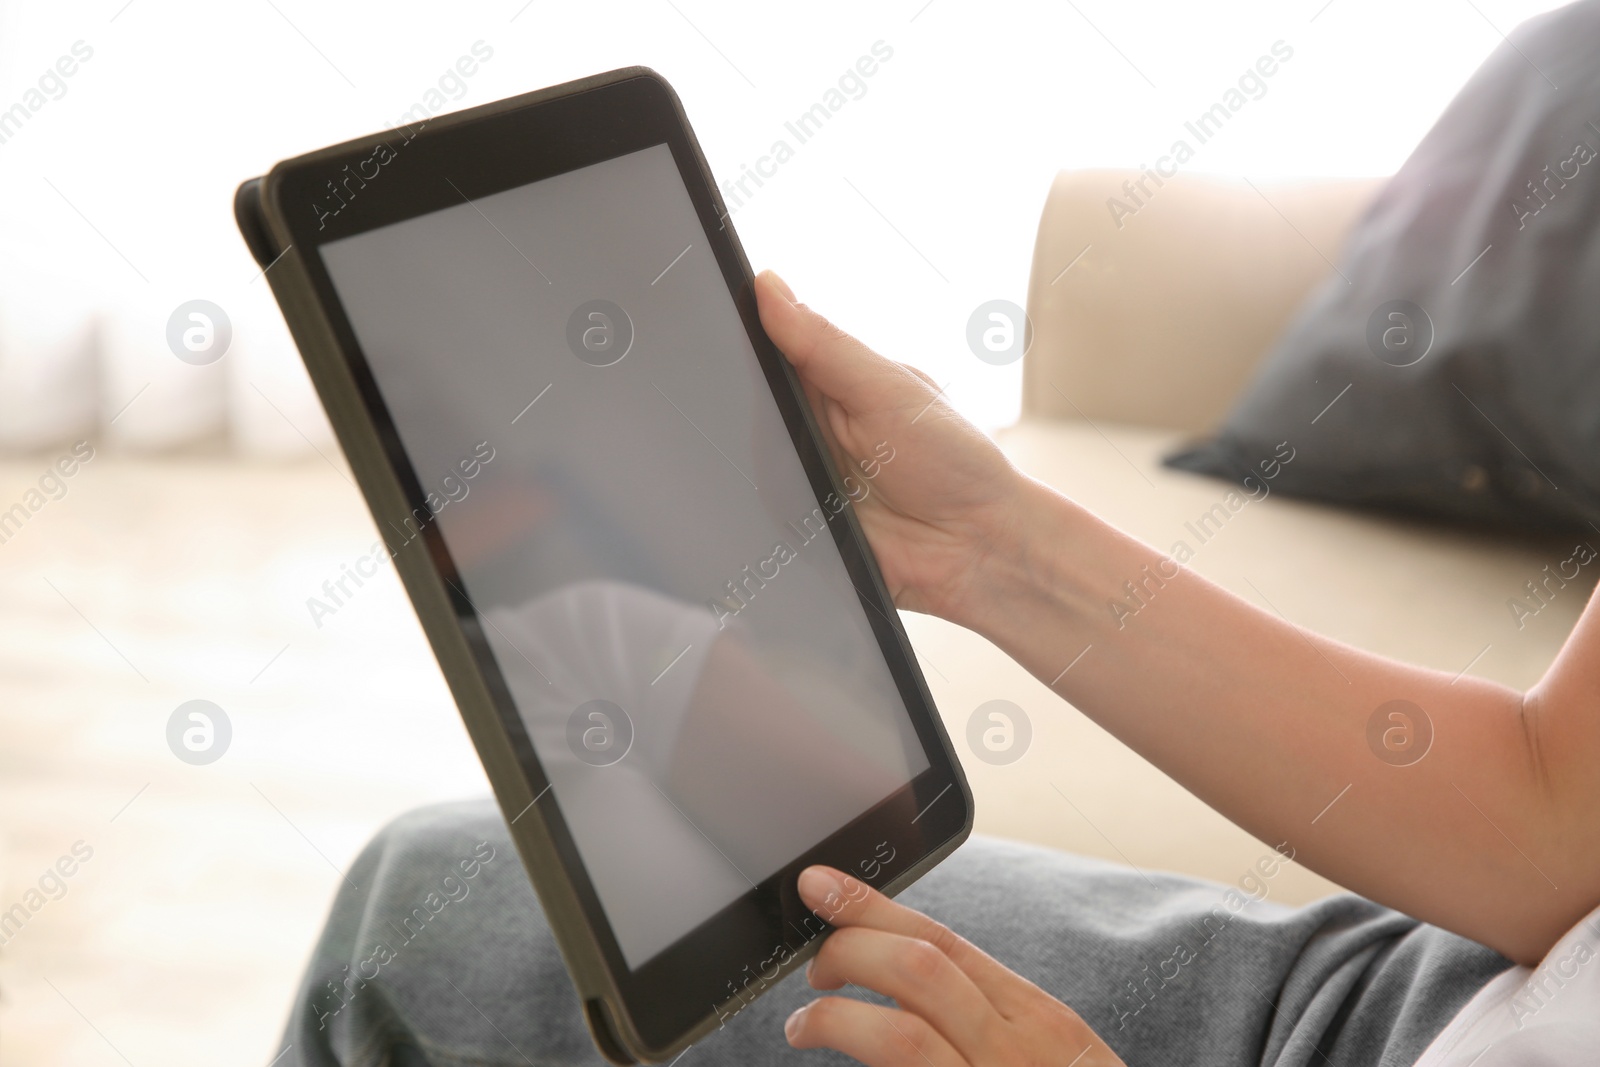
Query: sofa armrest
x=1157 y=311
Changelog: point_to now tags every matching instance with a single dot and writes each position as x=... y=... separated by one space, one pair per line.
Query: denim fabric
x=453 y=964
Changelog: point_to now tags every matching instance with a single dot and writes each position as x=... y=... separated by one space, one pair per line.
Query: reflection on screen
x=655 y=579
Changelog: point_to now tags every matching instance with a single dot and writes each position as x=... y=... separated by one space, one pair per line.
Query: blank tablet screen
x=653 y=575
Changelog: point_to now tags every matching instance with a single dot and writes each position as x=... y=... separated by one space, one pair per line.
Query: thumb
x=840 y=366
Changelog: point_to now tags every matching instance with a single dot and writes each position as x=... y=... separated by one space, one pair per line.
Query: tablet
x=536 y=337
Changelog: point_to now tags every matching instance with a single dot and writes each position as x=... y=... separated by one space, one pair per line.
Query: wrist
x=1022 y=562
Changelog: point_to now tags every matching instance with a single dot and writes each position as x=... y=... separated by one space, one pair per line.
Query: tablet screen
x=650 y=568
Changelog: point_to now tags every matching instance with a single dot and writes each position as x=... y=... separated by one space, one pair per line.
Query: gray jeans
x=437 y=953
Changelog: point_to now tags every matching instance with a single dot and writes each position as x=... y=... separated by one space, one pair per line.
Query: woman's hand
x=956 y=1005
x=944 y=502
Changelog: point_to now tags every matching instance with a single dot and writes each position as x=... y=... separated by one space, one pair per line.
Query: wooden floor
x=179 y=941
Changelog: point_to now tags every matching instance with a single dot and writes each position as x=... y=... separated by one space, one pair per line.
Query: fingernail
x=818 y=884
x=783 y=286
x=791 y=1026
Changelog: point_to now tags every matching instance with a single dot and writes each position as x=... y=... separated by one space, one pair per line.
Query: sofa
x=1142 y=335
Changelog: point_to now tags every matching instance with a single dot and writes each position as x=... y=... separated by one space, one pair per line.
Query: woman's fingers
x=877 y=1036
x=924 y=375
x=917 y=976
x=774 y=279
x=847 y=902
x=836 y=363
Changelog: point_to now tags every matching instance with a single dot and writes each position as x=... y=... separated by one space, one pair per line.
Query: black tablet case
x=337 y=389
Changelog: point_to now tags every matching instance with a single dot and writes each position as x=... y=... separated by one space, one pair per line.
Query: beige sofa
x=1143 y=335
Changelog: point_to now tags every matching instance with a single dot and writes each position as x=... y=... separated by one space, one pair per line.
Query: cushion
x=1450 y=366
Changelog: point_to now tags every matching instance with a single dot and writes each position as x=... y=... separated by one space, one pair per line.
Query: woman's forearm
x=1269 y=724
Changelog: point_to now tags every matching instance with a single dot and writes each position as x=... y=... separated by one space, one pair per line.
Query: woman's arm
x=1494 y=833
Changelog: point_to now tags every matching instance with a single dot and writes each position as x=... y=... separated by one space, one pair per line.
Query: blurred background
x=175 y=564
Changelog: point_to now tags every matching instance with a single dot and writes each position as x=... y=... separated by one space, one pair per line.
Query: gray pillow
x=1451 y=365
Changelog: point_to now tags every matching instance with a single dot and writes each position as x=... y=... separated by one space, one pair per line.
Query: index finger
x=845 y=901
x=838 y=364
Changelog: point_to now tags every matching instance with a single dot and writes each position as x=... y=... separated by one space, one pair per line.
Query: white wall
x=916 y=203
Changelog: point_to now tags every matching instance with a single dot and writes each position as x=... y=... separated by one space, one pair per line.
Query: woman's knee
x=434 y=928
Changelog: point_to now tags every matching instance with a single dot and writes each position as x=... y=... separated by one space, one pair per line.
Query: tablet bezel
x=708 y=974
